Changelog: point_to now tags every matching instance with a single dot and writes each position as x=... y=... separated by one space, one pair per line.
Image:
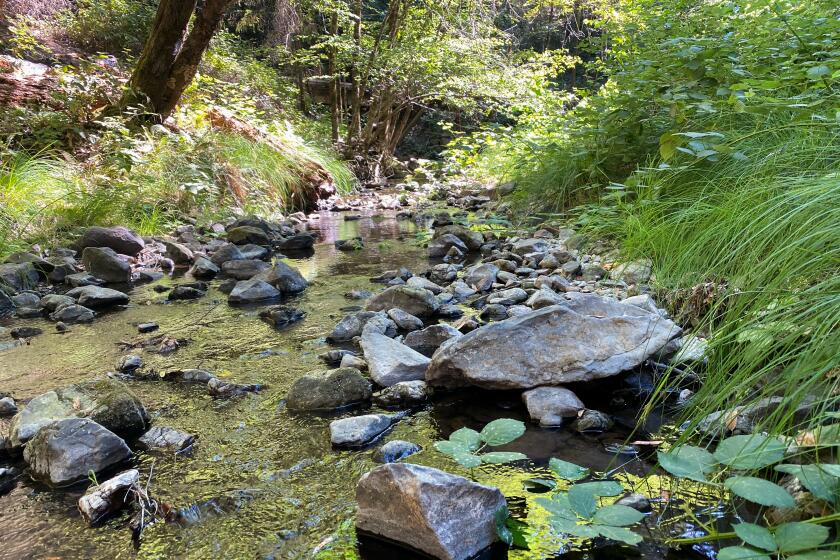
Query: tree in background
x=171 y=55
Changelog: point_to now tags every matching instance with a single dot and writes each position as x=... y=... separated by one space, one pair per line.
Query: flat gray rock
x=327 y=390
x=252 y=291
x=162 y=438
x=390 y=362
x=395 y=450
x=428 y=340
x=587 y=337
x=417 y=301
x=97 y=297
x=550 y=406
x=358 y=431
x=443 y=515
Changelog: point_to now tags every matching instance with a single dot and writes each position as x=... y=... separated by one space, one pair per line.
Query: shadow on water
x=261 y=482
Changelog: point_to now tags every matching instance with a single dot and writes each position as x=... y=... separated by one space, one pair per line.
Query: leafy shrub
x=110 y=26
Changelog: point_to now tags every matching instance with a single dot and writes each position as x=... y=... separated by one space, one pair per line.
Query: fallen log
x=23 y=82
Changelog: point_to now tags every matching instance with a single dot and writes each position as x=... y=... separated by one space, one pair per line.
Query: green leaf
x=451 y=448
x=618 y=534
x=817 y=72
x=817 y=555
x=668 y=144
x=749 y=452
x=797 y=536
x=687 y=461
x=539 y=485
x=500 y=517
x=617 y=516
x=583 y=501
x=570 y=527
x=567 y=471
x=496 y=457
x=502 y=431
x=740 y=553
x=759 y=491
x=470 y=439
x=559 y=505
x=833 y=470
x=467 y=460
x=519 y=531
x=756 y=535
x=601 y=487
x=815 y=479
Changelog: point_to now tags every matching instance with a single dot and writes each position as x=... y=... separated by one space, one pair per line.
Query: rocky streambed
x=254 y=392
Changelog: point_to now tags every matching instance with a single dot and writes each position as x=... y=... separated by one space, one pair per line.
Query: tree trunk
x=170 y=57
x=335 y=100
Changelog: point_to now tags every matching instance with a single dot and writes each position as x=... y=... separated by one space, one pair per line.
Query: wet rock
x=428 y=340
x=252 y=291
x=83 y=279
x=66 y=451
x=28 y=312
x=472 y=240
x=129 y=363
x=201 y=376
x=590 y=421
x=244 y=235
x=327 y=390
x=51 y=302
x=244 y=269
x=7 y=406
x=18 y=276
x=204 y=269
x=106 y=402
x=225 y=253
x=404 y=393
x=389 y=275
x=285 y=278
x=423 y=283
x=395 y=450
x=445 y=516
x=355 y=244
x=390 y=362
x=481 y=277
x=251 y=251
x=417 y=301
x=634 y=272
x=162 y=438
x=96 y=297
x=334 y=357
x=120 y=239
x=359 y=431
x=25 y=332
x=282 y=315
x=108 y=498
x=550 y=406
x=26 y=299
x=73 y=314
x=179 y=253
x=585 y=338
x=8 y=475
x=106 y=264
x=358 y=294
x=639 y=502
x=7 y=307
x=440 y=246
x=405 y=321
x=350 y=326
x=296 y=242
x=222 y=389
x=184 y=292
x=147 y=327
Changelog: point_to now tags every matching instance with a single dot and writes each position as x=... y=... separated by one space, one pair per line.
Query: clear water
x=264 y=482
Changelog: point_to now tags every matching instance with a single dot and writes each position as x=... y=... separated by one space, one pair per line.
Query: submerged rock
x=585 y=338
x=551 y=405
x=443 y=515
x=395 y=450
x=281 y=316
x=593 y=421
x=361 y=430
x=106 y=402
x=416 y=301
x=186 y=292
x=287 y=279
x=222 y=389
x=166 y=439
x=66 y=451
x=390 y=362
x=108 y=498
x=327 y=390
x=404 y=393
x=96 y=297
x=252 y=291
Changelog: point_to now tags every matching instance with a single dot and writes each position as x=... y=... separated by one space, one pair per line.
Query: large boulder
x=296 y=242
x=417 y=301
x=18 y=276
x=287 y=279
x=107 y=402
x=443 y=515
x=67 y=451
x=327 y=390
x=96 y=297
x=120 y=239
x=551 y=405
x=390 y=362
x=106 y=264
x=587 y=337
x=101 y=501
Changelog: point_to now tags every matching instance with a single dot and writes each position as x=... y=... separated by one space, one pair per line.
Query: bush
x=110 y=26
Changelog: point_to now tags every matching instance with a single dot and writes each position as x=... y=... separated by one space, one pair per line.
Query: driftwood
x=316 y=179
